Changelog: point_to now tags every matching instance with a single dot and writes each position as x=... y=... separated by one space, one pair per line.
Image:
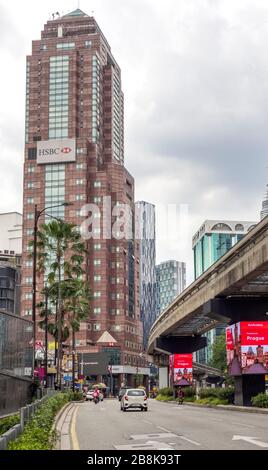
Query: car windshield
x=136 y=393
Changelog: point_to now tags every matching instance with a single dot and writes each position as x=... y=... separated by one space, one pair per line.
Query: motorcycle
x=96 y=400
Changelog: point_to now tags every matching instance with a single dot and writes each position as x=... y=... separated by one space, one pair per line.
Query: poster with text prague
x=182 y=369
x=247 y=348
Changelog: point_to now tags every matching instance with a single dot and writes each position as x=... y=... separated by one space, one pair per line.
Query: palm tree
x=76 y=302
x=60 y=255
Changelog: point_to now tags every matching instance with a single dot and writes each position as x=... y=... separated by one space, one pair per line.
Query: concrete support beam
x=181 y=344
x=237 y=309
x=246 y=387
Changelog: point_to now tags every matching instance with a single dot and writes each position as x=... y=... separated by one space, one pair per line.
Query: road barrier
x=26 y=414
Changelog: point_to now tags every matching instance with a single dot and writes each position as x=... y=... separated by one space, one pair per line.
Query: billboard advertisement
x=56 y=151
x=182 y=369
x=247 y=348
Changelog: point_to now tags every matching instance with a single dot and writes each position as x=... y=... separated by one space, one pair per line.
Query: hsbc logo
x=58 y=150
x=66 y=150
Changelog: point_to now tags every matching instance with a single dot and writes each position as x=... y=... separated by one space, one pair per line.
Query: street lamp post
x=46 y=335
x=37 y=215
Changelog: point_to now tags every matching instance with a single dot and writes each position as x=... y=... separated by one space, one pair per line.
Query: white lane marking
x=163 y=429
x=141 y=437
x=252 y=440
x=149 y=445
x=189 y=440
x=148 y=422
x=245 y=425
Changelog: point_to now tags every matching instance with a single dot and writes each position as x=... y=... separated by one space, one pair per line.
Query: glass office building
x=264 y=209
x=145 y=222
x=170 y=281
x=211 y=242
x=16 y=356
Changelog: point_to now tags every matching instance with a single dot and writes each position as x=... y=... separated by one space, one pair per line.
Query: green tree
x=219 y=360
x=76 y=305
x=60 y=256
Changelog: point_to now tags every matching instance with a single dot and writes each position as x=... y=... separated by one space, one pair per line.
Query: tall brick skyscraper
x=74 y=152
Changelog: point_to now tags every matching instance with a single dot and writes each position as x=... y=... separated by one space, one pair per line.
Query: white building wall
x=11 y=232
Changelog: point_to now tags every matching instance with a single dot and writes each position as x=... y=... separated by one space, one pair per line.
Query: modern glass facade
x=264 y=210
x=211 y=247
x=145 y=214
x=211 y=242
x=58 y=97
x=214 y=239
x=9 y=286
x=171 y=281
x=16 y=357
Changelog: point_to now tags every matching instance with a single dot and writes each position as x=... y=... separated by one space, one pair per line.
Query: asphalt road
x=166 y=426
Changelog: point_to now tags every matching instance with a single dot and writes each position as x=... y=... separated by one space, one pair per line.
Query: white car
x=90 y=393
x=134 y=398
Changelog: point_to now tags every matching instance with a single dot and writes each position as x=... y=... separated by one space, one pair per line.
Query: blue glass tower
x=211 y=242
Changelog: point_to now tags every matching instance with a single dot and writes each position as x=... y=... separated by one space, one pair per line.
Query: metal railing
x=26 y=414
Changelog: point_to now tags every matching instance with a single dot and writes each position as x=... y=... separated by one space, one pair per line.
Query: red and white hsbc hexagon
x=56 y=151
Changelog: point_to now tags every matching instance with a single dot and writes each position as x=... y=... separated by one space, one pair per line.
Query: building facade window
x=27 y=102
x=96 y=98
x=58 y=97
x=55 y=189
x=66 y=45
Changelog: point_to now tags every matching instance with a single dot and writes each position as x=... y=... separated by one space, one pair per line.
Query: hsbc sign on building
x=56 y=151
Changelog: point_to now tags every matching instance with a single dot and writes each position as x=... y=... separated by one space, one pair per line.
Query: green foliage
x=225 y=394
x=167 y=391
x=165 y=397
x=37 y=433
x=211 y=401
x=189 y=392
x=8 y=422
x=75 y=396
x=260 y=400
x=190 y=399
x=219 y=359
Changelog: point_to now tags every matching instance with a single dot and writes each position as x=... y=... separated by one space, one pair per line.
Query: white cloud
x=195 y=77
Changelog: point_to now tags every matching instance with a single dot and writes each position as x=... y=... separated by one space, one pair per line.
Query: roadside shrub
x=164 y=398
x=37 y=434
x=8 y=422
x=211 y=401
x=167 y=391
x=260 y=400
x=225 y=394
x=189 y=392
x=190 y=399
x=75 y=396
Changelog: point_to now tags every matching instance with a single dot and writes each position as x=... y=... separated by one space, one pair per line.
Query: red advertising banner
x=182 y=369
x=254 y=333
x=247 y=348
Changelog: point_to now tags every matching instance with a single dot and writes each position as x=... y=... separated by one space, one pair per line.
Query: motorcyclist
x=180 y=396
x=96 y=395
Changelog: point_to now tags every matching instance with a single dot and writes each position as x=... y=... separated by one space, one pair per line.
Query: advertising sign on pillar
x=247 y=348
x=181 y=368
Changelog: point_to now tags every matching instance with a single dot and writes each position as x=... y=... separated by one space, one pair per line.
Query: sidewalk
x=63 y=427
x=247 y=409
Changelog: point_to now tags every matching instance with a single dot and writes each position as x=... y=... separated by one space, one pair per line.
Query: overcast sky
x=195 y=78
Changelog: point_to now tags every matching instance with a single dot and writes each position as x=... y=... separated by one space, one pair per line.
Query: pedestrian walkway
x=63 y=427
